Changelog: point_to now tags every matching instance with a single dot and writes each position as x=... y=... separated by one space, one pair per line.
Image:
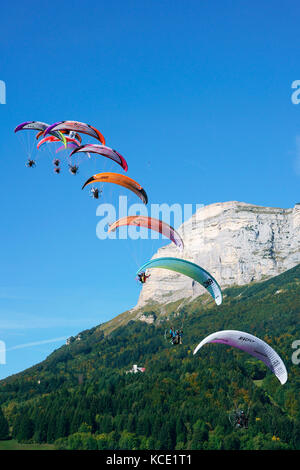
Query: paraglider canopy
x=53 y=139
x=102 y=150
x=189 y=269
x=120 y=180
x=76 y=126
x=150 y=223
x=39 y=126
x=252 y=345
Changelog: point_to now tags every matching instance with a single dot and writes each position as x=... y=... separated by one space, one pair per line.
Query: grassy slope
x=14 y=445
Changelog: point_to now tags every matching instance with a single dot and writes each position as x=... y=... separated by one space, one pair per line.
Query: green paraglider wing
x=189 y=269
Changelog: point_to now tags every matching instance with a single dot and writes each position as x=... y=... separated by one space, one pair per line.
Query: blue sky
x=195 y=94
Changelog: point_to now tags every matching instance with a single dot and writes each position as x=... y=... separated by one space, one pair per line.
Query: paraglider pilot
x=73 y=169
x=30 y=163
x=176 y=336
x=142 y=277
x=96 y=193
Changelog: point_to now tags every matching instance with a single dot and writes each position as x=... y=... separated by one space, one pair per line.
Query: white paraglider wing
x=252 y=345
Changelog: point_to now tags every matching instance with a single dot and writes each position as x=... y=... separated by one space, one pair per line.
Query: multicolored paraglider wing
x=105 y=151
x=47 y=140
x=252 y=345
x=150 y=223
x=189 y=269
x=70 y=145
x=76 y=127
x=32 y=125
x=76 y=135
x=39 y=126
x=120 y=180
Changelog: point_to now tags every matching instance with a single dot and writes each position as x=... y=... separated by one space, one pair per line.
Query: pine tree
x=4 y=428
x=23 y=428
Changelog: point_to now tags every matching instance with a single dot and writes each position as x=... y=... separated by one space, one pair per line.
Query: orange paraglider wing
x=120 y=180
x=150 y=223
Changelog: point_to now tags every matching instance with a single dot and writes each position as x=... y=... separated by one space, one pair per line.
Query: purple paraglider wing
x=103 y=150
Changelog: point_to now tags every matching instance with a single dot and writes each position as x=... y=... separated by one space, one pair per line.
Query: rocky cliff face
x=236 y=242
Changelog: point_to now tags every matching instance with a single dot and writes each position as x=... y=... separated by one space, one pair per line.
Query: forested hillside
x=81 y=397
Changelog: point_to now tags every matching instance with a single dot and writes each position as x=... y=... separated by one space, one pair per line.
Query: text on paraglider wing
x=2 y=92
x=247 y=340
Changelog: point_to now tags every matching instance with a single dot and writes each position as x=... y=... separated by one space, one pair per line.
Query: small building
x=136 y=369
